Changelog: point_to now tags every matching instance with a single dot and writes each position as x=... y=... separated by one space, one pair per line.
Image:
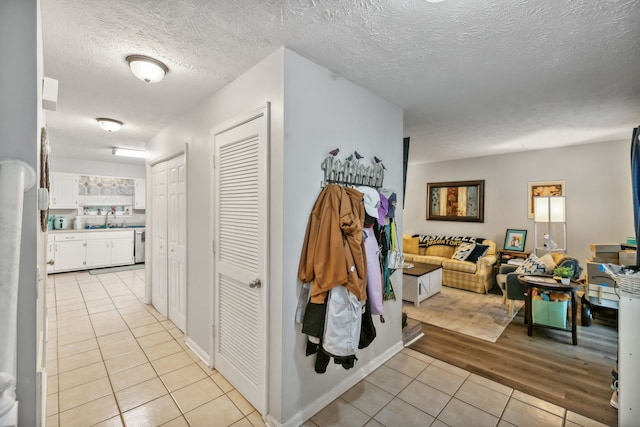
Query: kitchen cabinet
x=51 y=254
x=69 y=252
x=64 y=190
x=98 y=250
x=85 y=250
x=109 y=248
x=140 y=194
x=122 y=249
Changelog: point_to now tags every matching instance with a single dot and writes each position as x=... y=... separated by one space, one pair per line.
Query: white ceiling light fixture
x=110 y=125
x=147 y=69
x=129 y=152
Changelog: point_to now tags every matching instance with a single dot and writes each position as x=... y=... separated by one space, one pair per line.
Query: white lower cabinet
x=81 y=251
x=69 y=252
x=98 y=250
x=122 y=248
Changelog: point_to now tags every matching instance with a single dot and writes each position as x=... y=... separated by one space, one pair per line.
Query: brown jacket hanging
x=333 y=248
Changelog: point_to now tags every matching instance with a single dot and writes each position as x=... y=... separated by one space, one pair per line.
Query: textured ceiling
x=474 y=77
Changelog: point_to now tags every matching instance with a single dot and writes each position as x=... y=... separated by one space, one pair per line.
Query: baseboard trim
x=203 y=355
x=314 y=407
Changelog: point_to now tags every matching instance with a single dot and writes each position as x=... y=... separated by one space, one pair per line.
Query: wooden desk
x=547 y=283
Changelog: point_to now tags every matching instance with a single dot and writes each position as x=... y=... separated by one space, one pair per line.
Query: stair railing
x=16 y=177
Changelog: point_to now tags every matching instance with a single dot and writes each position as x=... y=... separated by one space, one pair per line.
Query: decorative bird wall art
x=351 y=171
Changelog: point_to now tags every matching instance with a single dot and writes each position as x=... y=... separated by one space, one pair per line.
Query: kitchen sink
x=103 y=227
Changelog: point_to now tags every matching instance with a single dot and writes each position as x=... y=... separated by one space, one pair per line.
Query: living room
x=601 y=169
x=597 y=188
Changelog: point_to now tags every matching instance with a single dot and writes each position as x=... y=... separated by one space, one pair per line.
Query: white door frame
x=261 y=111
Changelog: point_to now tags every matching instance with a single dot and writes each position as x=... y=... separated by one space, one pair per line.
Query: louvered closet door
x=240 y=244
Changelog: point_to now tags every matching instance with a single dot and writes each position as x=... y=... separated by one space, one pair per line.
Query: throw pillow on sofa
x=410 y=245
x=548 y=261
x=532 y=265
x=478 y=252
x=463 y=251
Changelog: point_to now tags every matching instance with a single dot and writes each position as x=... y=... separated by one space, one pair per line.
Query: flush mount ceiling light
x=129 y=152
x=110 y=125
x=147 y=69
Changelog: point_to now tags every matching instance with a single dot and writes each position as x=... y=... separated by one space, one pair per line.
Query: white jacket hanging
x=342 y=323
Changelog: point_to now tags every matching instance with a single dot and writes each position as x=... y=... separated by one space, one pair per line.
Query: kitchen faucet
x=106 y=217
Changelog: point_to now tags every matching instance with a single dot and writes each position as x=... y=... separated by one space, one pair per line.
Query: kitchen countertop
x=91 y=230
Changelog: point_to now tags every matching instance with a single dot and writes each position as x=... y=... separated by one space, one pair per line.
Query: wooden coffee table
x=421 y=282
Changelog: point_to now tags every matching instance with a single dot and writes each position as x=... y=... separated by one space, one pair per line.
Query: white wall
x=261 y=84
x=324 y=111
x=598 y=190
x=19 y=124
x=96 y=168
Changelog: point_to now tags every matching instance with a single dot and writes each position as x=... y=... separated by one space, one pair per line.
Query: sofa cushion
x=427 y=240
x=463 y=251
x=461 y=266
x=440 y=250
x=478 y=252
x=532 y=265
x=410 y=245
x=425 y=259
x=547 y=259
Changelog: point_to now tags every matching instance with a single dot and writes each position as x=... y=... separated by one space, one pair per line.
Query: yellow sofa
x=471 y=276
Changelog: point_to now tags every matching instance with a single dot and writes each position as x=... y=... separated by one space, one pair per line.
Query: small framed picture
x=514 y=240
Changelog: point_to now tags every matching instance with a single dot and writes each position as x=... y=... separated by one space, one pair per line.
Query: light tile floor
x=114 y=361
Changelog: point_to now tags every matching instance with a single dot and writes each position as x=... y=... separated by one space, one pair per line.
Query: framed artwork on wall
x=543 y=188
x=514 y=240
x=455 y=201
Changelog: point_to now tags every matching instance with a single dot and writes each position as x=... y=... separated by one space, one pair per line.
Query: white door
x=240 y=207
x=159 y=237
x=177 y=234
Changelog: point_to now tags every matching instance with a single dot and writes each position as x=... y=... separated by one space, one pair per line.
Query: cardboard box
x=605 y=247
x=607 y=255
x=602 y=292
x=597 y=277
x=601 y=260
x=627 y=257
x=550 y=313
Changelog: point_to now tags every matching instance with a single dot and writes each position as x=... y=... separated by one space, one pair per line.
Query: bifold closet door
x=177 y=242
x=240 y=207
x=159 y=238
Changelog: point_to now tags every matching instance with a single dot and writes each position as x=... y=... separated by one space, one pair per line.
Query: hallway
x=114 y=361
x=119 y=360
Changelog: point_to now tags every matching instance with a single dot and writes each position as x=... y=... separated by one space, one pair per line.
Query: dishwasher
x=138 y=249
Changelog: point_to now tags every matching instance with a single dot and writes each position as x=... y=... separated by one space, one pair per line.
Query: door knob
x=51 y=262
x=255 y=284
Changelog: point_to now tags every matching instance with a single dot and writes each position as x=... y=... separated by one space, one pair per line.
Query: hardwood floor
x=545 y=365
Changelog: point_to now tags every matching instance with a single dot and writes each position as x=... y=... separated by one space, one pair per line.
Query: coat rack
x=351 y=171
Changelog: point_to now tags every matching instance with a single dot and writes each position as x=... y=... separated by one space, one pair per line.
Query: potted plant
x=564 y=273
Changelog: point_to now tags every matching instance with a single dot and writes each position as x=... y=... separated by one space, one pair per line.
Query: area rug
x=116 y=269
x=478 y=315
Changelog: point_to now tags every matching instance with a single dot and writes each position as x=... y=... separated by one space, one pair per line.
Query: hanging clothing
x=374 y=274
x=333 y=248
x=333 y=260
x=390 y=233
